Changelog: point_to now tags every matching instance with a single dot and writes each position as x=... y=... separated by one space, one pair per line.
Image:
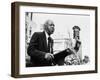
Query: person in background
x=40 y=48
x=76 y=55
x=77 y=43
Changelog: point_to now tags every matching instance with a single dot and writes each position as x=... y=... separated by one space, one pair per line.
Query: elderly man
x=40 y=47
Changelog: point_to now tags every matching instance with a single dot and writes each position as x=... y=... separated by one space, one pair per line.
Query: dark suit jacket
x=37 y=49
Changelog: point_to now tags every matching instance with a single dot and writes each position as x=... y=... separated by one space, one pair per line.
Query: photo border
x=15 y=69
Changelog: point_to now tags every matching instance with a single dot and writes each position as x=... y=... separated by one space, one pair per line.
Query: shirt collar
x=46 y=34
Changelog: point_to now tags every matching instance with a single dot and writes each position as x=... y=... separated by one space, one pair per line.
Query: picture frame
x=63 y=15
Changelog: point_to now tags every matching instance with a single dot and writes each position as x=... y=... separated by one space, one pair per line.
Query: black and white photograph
x=54 y=39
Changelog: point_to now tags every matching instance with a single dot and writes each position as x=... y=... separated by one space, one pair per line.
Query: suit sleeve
x=33 y=48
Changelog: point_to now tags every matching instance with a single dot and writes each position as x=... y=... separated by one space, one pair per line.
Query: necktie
x=50 y=43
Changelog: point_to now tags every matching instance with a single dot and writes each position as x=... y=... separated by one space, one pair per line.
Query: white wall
x=5 y=40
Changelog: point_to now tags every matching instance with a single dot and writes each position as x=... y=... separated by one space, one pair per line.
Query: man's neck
x=47 y=35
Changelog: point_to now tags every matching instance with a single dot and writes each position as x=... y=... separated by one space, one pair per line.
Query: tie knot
x=50 y=39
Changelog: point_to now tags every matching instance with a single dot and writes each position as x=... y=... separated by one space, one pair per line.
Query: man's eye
x=52 y=25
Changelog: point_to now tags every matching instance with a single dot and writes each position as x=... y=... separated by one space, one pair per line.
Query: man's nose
x=53 y=28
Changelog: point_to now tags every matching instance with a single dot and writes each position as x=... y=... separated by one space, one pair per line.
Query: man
x=40 y=47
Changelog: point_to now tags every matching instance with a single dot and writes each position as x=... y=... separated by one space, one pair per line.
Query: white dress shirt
x=46 y=36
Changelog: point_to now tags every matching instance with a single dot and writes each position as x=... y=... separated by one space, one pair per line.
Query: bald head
x=49 y=27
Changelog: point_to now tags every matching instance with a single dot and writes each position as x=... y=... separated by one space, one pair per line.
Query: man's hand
x=49 y=56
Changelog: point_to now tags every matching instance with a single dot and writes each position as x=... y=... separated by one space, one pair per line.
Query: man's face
x=50 y=27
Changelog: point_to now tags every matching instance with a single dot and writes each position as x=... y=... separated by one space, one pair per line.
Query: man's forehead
x=50 y=22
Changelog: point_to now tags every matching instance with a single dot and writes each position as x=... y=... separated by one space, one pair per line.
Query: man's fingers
x=52 y=56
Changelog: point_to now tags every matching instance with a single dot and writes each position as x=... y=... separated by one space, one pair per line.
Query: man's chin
x=52 y=32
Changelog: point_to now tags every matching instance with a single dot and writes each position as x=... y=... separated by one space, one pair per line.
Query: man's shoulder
x=38 y=34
